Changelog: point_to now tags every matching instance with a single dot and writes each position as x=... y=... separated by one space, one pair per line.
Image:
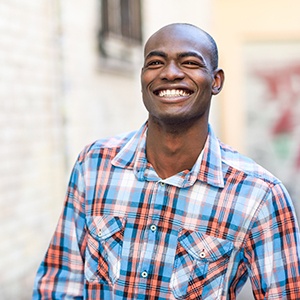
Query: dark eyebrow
x=193 y=54
x=156 y=53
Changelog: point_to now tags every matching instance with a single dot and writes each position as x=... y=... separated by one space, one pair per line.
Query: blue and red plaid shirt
x=127 y=234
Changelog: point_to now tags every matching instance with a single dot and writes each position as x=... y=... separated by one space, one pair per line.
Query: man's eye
x=191 y=63
x=154 y=63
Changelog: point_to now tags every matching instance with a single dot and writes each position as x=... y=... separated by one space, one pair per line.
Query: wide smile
x=173 y=93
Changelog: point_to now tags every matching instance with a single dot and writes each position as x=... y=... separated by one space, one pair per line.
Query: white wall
x=32 y=161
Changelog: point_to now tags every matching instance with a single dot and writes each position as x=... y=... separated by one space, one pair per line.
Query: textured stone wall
x=32 y=160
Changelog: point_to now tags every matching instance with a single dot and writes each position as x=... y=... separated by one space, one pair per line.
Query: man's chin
x=174 y=121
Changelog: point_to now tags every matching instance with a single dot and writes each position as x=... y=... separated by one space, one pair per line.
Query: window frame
x=120 y=45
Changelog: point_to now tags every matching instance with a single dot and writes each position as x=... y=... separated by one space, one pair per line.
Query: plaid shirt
x=127 y=234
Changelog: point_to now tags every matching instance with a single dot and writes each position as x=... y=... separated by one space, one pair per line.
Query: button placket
x=153 y=227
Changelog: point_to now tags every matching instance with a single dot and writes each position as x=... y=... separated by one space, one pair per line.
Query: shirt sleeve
x=60 y=275
x=273 y=248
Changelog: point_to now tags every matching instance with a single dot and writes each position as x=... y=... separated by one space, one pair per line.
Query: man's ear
x=218 y=81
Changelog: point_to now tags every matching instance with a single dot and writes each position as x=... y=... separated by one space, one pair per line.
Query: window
x=120 y=35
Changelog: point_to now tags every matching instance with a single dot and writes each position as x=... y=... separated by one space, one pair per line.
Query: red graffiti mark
x=280 y=80
x=282 y=84
x=284 y=124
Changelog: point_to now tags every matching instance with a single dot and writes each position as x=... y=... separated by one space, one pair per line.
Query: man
x=169 y=212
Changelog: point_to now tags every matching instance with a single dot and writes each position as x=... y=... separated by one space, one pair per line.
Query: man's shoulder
x=238 y=161
x=111 y=144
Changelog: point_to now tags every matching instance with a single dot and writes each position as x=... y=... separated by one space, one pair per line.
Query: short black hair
x=214 y=51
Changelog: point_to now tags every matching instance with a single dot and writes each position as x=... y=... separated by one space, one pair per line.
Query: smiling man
x=169 y=212
x=179 y=77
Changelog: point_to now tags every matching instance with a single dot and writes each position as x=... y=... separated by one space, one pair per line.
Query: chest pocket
x=104 y=248
x=200 y=266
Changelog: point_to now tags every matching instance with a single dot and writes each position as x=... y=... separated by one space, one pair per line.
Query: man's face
x=177 y=78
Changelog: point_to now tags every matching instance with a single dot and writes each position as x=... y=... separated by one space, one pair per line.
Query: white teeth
x=173 y=93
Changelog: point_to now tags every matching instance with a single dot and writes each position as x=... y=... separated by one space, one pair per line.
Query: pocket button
x=202 y=254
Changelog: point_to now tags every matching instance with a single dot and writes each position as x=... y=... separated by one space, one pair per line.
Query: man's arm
x=60 y=275
x=273 y=248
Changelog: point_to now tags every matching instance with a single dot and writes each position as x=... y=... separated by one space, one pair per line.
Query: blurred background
x=69 y=74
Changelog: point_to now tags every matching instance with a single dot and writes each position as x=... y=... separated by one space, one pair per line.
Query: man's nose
x=171 y=72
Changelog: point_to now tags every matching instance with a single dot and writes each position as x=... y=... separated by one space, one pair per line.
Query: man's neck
x=171 y=150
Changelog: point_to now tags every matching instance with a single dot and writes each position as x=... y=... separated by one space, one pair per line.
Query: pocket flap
x=204 y=247
x=103 y=227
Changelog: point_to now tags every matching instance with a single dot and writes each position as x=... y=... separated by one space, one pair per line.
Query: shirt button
x=162 y=183
x=99 y=233
x=144 y=274
x=202 y=254
x=153 y=227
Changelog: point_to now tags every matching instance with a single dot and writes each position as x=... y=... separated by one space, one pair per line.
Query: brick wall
x=32 y=160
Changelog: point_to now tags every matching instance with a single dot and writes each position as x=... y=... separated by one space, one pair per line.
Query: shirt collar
x=208 y=167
